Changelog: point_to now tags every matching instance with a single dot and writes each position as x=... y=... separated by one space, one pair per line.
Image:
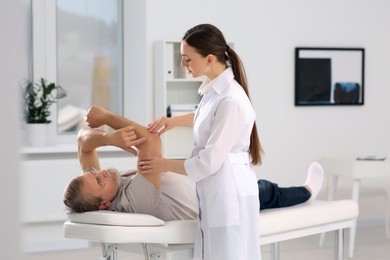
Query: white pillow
x=114 y=218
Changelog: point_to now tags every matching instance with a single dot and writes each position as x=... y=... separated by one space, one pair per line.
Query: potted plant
x=38 y=98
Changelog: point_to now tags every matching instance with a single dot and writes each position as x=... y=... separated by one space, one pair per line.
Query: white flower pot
x=37 y=134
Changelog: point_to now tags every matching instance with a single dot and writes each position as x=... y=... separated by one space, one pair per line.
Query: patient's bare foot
x=314 y=180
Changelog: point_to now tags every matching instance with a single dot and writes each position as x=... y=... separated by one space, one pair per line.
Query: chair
x=335 y=168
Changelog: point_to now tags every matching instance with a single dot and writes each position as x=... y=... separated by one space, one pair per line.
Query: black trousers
x=271 y=196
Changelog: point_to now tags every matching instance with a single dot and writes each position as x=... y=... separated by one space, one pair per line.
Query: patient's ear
x=104 y=205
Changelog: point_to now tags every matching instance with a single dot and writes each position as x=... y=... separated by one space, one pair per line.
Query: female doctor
x=226 y=145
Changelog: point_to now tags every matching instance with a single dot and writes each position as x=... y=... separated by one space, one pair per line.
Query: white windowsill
x=61 y=148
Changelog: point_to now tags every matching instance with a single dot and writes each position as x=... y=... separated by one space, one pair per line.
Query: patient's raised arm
x=98 y=116
x=89 y=139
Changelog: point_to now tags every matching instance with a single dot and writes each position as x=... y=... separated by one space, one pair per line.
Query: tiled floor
x=371 y=244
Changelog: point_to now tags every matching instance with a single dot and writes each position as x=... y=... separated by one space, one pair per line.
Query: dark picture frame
x=329 y=76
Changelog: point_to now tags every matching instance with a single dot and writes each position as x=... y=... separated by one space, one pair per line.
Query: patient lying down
x=168 y=196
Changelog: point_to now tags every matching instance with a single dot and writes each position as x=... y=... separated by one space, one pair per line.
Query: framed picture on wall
x=329 y=76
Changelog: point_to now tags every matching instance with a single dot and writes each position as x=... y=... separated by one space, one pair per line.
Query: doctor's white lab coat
x=228 y=225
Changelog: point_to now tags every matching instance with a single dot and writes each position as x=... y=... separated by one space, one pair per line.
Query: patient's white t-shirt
x=174 y=200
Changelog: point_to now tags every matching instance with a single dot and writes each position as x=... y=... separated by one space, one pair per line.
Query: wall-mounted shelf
x=173 y=85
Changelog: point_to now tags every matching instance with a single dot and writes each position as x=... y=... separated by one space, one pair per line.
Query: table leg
x=355 y=197
x=339 y=244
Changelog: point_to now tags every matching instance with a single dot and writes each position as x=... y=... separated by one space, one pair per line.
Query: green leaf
x=38 y=99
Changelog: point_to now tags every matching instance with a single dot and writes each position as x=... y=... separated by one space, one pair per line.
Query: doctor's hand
x=160 y=125
x=125 y=138
x=152 y=165
x=96 y=116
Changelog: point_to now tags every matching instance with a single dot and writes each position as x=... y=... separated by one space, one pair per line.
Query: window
x=89 y=58
x=79 y=45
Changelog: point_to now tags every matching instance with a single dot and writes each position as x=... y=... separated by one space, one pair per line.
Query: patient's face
x=103 y=184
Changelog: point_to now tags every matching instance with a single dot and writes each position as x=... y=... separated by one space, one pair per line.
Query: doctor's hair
x=76 y=201
x=207 y=39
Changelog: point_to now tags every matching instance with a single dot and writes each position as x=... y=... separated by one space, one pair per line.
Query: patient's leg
x=271 y=196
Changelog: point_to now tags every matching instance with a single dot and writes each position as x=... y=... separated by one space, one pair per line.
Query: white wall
x=14 y=68
x=265 y=34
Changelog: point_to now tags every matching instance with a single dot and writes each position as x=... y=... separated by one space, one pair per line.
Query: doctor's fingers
x=144 y=161
x=157 y=125
x=162 y=130
x=146 y=164
x=145 y=169
x=145 y=172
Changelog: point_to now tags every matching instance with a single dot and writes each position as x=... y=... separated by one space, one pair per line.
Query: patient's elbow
x=152 y=146
x=81 y=136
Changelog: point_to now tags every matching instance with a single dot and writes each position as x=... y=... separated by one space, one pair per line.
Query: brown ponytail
x=207 y=39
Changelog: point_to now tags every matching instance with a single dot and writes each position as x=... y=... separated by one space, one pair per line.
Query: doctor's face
x=103 y=184
x=195 y=63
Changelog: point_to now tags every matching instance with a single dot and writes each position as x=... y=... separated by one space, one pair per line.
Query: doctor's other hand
x=125 y=138
x=96 y=116
x=152 y=165
x=160 y=125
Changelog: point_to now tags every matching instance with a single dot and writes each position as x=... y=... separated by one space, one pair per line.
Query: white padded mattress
x=115 y=227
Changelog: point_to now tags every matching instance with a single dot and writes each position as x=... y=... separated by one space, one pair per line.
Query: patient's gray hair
x=76 y=201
